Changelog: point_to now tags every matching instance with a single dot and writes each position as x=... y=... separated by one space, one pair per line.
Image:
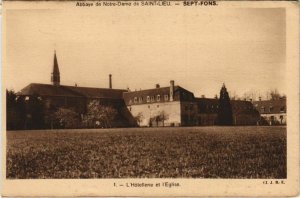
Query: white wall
x=171 y=109
x=276 y=117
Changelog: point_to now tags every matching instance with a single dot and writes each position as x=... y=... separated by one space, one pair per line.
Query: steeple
x=55 y=76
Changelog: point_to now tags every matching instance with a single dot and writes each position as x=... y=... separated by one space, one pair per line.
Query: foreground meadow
x=198 y=152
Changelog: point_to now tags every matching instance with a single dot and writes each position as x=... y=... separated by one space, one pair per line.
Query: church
x=77 y=98
x=170 y=105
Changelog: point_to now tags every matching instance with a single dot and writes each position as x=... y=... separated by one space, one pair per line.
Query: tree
x=99 y=115
x=159 y=119
x=275 y=95
x=163 y=116
x=139 y=118
x=15 y=111
x=67 y=118
x=50 y=119
x=35 y=113
x=225 y=110
x=11 y=111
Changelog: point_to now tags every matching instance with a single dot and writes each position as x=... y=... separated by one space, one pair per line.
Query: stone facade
x=166 y=106
x=272 y=112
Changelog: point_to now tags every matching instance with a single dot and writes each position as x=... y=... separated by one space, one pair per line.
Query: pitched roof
x=207 y=105
x=157 y=91
x=91 y=92
x=271 y=106
x=211 y=105
x=70 y=91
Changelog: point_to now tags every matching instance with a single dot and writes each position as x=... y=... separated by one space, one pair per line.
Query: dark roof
x=211 y=105
x=208 y=100
x=242 y=107
x=179 y=94
x=70 y=91
x=91 y=92
x=270 y=106
x=207 y=105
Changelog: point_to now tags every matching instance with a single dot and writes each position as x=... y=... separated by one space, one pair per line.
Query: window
x=262 y=109
x=135 y=99
x=166 y=97
x=271 y=109
x=282 y=109
x=148 y=98
x=152 y=98
x=130 y=101
x=140 y=99
x=158 y=98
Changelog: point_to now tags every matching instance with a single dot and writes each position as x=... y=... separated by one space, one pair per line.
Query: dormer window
x=166 y=97
x=130 y=101
x=158 y=97
x=140 y=99
x=152 y=98
x=148 y=98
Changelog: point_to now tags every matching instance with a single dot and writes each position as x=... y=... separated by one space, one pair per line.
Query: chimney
x=157 y=86
x=259 y=98
x=110 y=81
x=202 y=96
x=172 y=90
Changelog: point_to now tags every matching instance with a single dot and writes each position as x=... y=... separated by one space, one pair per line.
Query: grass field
x=198 y=152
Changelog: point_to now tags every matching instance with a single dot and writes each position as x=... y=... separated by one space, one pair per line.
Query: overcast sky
x=198 y=48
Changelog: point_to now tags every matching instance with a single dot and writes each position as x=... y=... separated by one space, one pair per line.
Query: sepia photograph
x=137 y=90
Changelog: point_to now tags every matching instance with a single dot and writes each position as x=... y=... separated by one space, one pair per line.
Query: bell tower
x=55 y=76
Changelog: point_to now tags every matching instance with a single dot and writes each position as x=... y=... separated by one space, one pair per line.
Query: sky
x=200 y=49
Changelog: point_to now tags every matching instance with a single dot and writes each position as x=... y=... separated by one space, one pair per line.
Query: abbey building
x=170 y=105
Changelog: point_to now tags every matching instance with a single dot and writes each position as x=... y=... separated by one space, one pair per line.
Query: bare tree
x=67 y=118
x=139 y=118
x=163 y=116
x=99 y=115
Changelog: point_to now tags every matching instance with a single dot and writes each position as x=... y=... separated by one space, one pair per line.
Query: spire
x=55 y=76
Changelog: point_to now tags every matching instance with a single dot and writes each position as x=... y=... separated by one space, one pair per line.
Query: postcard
x=150 y=98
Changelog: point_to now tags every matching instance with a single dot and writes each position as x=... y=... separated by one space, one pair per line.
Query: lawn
x=195 y=152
